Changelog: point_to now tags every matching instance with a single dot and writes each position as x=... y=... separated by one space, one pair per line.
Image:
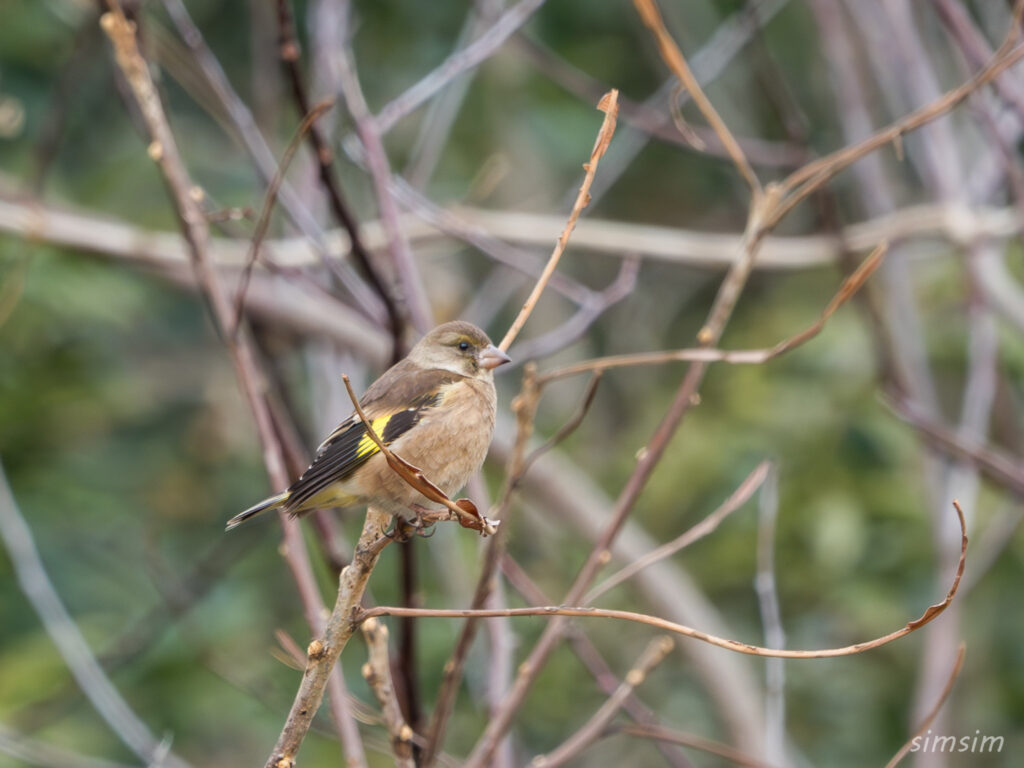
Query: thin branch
x=645 y=117
x=435 y=128
x=929 y=615
x=573 y=329
x=377 y=672
x=659 y=733
x=90 y=231
x=461 y=61
x=736 y=500
x=930 y=717
x=288 y=50
x=372 y=300
x=996 y=465
x=675 y=60
x=263 y=222
x=413 y=290
x=590 y=731
x=163 y=150
x=455 y=224
x=591 y=658
x=609 y=104
x=798 y=185
x=37 y=587
x=849 y=287
x=566 y=429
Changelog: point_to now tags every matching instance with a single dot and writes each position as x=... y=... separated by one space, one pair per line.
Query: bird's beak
x=491 y=357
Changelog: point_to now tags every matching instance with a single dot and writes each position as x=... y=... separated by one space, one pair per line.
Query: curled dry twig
x=680 y=629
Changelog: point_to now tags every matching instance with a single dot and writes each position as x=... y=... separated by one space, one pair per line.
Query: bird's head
x=458 y=347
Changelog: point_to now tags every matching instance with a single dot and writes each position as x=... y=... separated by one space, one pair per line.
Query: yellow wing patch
x=366 y=446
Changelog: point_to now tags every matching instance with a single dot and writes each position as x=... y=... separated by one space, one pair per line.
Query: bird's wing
x=394 y=404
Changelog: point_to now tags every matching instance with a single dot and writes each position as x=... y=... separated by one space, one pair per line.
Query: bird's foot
x=420 y=526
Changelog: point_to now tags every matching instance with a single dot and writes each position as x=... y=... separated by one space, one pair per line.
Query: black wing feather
x=339 y=457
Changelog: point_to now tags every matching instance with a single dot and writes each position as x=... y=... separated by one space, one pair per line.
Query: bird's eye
x=463 y=345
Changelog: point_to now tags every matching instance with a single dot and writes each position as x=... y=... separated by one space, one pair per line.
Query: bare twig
x=930 y=717
x=460 y=61
x=659 y=733
x=566 y=429
x=998 y=466
x=572 y=329
x=372 y=300
x=591 y=658
x=105 y=699
x=610 y=106
x=288 y=50
x=590 y=731
x=736 y=500
x=263 y=222
x=379 y=167
x=673 y=57
x=377 y=672
x=798 y=185
x=91 y=232
x=646 y=118
x=848 y=288
x=929 y=615
x=164 y=151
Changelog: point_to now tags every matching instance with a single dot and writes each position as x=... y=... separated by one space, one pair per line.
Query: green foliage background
x=127 y=443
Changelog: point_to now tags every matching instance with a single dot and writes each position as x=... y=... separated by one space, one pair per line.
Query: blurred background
x=126 y=440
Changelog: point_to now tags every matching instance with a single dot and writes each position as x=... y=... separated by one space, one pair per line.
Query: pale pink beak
x=491 y=357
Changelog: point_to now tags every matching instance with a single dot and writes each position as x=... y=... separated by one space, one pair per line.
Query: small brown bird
x=435 y=409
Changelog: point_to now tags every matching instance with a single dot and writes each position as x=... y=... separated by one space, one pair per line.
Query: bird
x=435 y=408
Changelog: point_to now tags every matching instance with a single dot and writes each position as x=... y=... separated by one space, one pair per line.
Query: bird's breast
x=451 y=440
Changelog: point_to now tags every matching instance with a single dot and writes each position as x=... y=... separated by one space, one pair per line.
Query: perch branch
x=323 y=653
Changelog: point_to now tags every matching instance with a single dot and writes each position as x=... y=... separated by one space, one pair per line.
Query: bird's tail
x=273 y=502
